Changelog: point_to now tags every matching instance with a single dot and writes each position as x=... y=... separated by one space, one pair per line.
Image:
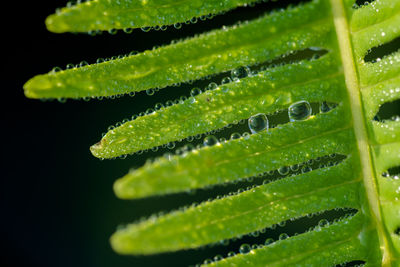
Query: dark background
x=57 y=203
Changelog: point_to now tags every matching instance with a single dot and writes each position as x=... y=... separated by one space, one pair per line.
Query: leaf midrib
x=354 y=92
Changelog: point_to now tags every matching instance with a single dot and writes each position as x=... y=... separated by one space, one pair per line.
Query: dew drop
x=146 y=29
x=231 y=254
x=171 y=145
x=112 y=31
x=323 y=223
x=268 y=241
x=150 y=91
x=240 y=72
x=218 y=258
x=195 y=91
x=283 y=236
x=244 y=249
x=212 y=86
x=56 y=69
x=210 y=140
x=299 y=111
x=83 y=63
x=226 y=80
x=235 y=136
x=306 y=169
x=258 y=123
x=283 y=170
x=177 y=25
x=128 y=30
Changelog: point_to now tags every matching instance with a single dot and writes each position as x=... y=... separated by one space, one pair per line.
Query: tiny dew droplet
x=150 y=91
x=218 y=258
x=210 y=140
x=268 y=241
x=306 y=169
x=56 y=69
x=323 y=223
x=231 y=254
x=226 y=80
x=112 y=31
x=240 y=72
x=195 y=91
x=146 y=29
x=235 y=136
x=244 y=249
x=128 y=30
x=212 y=86
x=83 y=63
x=177 y=25
x=299 y=111
x=283 y=236
x=258 y=123
x=283 y=170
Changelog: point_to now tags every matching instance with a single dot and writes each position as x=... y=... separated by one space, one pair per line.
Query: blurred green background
x=57 y=203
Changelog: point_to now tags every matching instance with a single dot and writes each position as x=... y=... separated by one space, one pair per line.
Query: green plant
x=331 y=40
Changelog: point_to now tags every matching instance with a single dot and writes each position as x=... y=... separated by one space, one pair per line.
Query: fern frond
x=341 y=36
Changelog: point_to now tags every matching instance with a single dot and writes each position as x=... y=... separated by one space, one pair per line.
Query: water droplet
x=294 y=167
x=207 y=261
x=218 y=258
x=212 y=86
x=283 y=236
x=244 y=249
x=231 y=254
x=283 y=170
x=210 y=140
x=306 y=169
x=146 y=29
x=70 y=66
x=177 y=25
x=299 y=111
x=226 y=80
x=258 y=123
x=171 y=145
x=268 y=241
x=235 y=136
x=150 y=91
x=83 y=63
x=240 y=72
x=56 y=69
x=195 y=91
x=323 y=223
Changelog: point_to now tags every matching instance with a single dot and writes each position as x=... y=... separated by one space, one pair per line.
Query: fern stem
x=345 y=46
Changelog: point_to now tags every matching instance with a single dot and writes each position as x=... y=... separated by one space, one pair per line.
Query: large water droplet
x=258 y=123
x=299 y=111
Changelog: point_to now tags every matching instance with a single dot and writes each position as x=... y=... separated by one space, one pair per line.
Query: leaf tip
x=120 y=243
x=35 y=85
x=54 y=23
